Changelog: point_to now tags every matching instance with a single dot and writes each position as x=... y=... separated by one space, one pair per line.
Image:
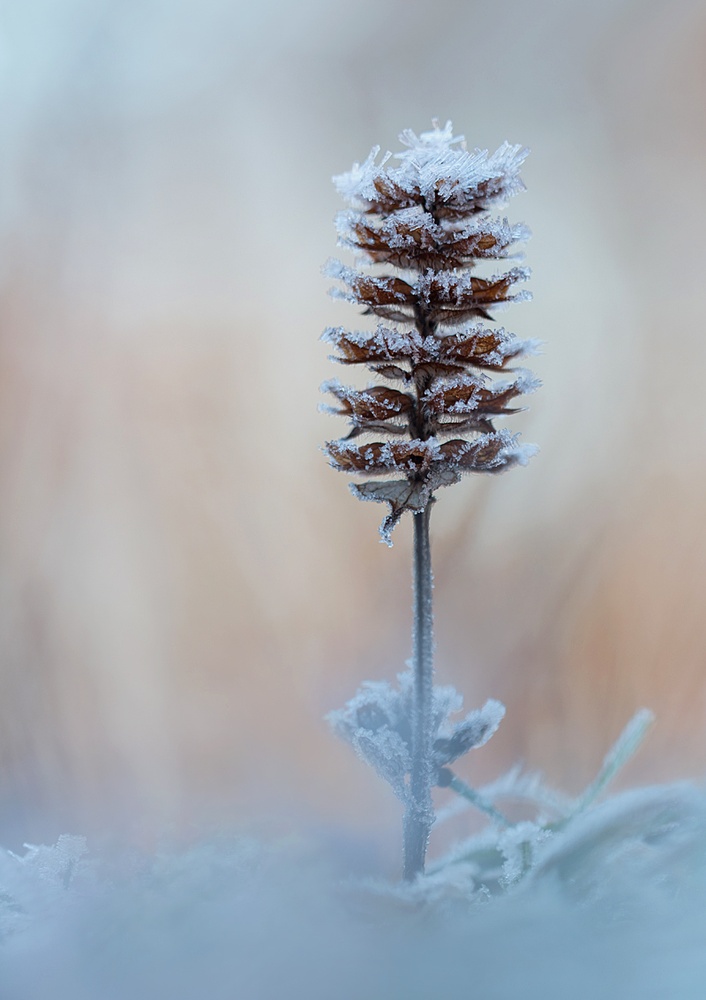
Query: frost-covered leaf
x=402 y=495
x=373 y=706
x=374 y=722
x=631 y=836
x=411 y=238
x=474 y=345
x=520 y=845
x=487 y=452
x=471 y=393
x=474 y=731
x=387 y=753
x=383 y=344
x=377 y=722
x=383 y=456
x=428 y=464
x=375 y=409
x=448 y=297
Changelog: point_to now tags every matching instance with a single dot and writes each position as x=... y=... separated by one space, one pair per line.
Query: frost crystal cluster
x=378 y=723
x=421 y=222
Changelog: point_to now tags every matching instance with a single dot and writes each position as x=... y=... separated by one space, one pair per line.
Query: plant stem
x=419 y=816
x=463 y=789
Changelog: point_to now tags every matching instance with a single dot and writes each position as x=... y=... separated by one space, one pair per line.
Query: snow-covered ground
x=612 y=906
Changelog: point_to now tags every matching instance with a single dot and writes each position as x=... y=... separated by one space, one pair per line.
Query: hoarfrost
x=613 y=907
x=427 y=215
x=377 y=722
x=474 y=731
x=435 y=289
x=519 y=845
x=437 y=164
x=412 y=234
x=37 y=881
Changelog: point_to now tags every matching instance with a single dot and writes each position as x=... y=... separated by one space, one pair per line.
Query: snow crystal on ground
x=614 y=907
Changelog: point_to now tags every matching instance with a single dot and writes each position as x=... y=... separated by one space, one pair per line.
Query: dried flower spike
x=429 y=218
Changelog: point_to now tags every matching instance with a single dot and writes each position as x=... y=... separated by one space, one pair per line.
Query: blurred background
x=186 y=588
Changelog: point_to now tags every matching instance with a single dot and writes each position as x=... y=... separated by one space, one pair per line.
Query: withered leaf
x=464 y=390
x=477 y=455
x=483 y=349
x=402 y=495
x=361 y=458
x=380 y=346
x=375 y=403
x=378 y=456
x=413 y=239
x=466 y=393
x=450 y=297
x=452 y=195
x=445 y=290
x=391 y=371
x=412 y=457
x=379 y=291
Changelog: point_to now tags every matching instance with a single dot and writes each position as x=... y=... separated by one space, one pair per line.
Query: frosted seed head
x=422 y=218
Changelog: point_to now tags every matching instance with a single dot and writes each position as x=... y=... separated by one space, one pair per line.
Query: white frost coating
x=377 y=722
x=426 y=215
x=417 y=455
x=472 y=732
x=523 y=384
x=437 y=164
x=388 y=755
x=457 y=283
x=228 y=919
x=519 y=845
x=366 y=408
x=632 y=835
x=38 y=881
x=390 y=344
x=413 y=227
x=432 y=289
x=518 y=454
x=402 y=494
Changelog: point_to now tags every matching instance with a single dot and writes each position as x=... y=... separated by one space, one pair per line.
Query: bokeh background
x=186 y=588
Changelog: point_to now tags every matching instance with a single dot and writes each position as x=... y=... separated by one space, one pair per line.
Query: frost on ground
x=610 y=905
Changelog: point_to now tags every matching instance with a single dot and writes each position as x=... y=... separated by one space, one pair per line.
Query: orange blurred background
x=186 y=587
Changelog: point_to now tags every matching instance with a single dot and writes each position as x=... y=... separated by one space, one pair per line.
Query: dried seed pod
x=427 y=213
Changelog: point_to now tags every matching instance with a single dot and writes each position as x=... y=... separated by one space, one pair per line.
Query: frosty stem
x=419 y=816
